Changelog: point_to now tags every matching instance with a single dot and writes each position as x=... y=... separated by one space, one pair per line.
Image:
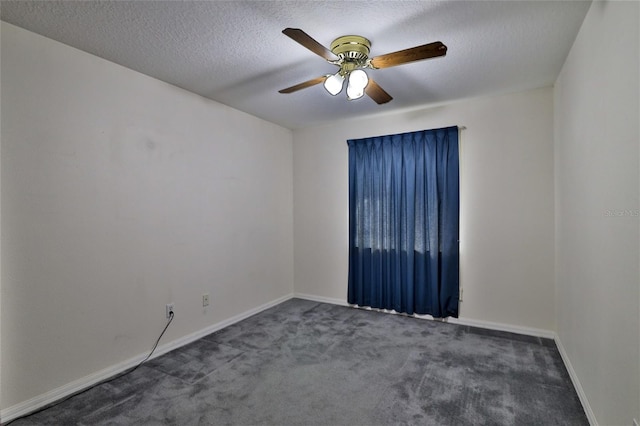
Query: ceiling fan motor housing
x=351 y=48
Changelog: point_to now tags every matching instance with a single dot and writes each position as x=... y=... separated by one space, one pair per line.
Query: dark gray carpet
x=308 y=363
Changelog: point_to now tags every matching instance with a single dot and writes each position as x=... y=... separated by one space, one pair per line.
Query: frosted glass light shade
x=358 y=80
x=334 y=83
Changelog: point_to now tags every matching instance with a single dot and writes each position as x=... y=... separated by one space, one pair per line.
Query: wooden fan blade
x=417 y=53
x=377 y=93
x=305 y=40
x=304 y=85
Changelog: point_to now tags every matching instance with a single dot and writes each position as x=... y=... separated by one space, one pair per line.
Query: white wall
x=507 y=263
x=597 y=201
x=120 y=194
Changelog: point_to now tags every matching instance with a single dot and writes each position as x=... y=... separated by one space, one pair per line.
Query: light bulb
x=358 y=80
x=334 y=83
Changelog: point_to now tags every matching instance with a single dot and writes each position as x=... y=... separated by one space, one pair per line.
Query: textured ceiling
x=235 y=53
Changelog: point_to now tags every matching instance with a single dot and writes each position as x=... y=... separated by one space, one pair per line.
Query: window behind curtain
x=404 y=222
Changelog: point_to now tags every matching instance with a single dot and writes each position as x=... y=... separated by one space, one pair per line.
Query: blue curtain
x=404 y=207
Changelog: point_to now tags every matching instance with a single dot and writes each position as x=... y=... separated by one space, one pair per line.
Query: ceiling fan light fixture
x=358 y=80
x=333 y=84
x=351 y=54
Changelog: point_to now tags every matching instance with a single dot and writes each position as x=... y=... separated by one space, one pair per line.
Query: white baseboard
x=30 y=405
x=529 y=331
x=46 y=398
x=218 y=326
x=462 y=321
x=321 y=299
x=576 y=382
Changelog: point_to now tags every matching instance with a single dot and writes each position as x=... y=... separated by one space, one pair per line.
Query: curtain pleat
x=404 y=222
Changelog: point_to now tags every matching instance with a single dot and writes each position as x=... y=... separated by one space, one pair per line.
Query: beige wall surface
x=121 y=194
x=597 y=135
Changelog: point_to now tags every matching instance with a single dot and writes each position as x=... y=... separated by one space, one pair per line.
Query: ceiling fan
x=351 y=54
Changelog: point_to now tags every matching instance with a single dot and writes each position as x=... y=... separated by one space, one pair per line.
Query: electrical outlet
x=169 y=309
x=205 y=299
